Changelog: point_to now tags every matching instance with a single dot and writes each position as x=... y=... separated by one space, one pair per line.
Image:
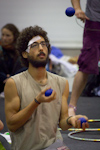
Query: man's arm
x=80 y=14
x=76 y=4
x=64 y=108
x=15 y=117
x=64 y=118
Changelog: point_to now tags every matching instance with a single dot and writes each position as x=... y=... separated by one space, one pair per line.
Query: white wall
x=63 y=31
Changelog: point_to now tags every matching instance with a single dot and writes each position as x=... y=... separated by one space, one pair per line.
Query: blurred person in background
x=90 y=52
x=10 y=63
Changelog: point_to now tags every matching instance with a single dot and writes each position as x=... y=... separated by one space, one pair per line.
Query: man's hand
x=76 y=123
x=81 y=15
x=42 y=98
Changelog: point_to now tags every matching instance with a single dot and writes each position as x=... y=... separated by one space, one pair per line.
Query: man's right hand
x=42 y=98
x=81 y=15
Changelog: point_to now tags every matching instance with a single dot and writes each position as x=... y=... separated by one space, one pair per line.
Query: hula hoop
x=87 y=129
x=77 y=130
x=82 y=139
x=94 y=120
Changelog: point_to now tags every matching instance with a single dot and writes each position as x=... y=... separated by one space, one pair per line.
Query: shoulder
x=20 y=75
x=14 y=85
x=56 y=77
x=20 y=79
x=9 y=86
x=9 y=82
x=14 y=80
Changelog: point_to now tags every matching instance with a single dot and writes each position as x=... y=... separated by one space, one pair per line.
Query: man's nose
x=40 y=47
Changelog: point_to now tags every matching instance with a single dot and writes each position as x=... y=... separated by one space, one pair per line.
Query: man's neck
x=39 y=74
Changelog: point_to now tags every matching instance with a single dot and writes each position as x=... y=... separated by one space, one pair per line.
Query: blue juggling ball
x=70 y=11
x=48 y=92
x=83 y=120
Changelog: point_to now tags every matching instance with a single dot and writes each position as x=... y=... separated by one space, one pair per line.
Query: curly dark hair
x=25 y=36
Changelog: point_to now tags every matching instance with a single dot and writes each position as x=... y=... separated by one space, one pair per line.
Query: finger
x=87 y=125
x=83 y=126
x=79 y=123
x=82 y=116
x=85 y=118
x=44 y=90
x=52 y=96
x=76 y=124
x=87 y=18
x=83 y=20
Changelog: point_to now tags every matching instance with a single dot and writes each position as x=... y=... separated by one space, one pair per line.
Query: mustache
x=41 y=53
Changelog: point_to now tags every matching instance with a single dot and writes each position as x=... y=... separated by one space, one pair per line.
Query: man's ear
x=24 y=54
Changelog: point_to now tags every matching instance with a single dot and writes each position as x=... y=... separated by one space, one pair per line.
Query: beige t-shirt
x=40 y=131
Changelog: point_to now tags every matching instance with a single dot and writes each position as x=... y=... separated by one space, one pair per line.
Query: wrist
x=68 y=121
x=36 y=101
x=71 y=106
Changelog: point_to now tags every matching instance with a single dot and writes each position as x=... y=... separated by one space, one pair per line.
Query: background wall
x=63 y=31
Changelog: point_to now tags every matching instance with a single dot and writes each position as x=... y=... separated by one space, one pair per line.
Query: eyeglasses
x=35 y=45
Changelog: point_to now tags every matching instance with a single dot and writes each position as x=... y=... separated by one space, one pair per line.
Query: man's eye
x=43 y=44
x=34 y=45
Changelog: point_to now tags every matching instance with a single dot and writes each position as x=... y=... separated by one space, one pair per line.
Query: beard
x=37 y=63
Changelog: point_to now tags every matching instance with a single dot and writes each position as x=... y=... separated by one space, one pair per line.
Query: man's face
x=38 y=52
